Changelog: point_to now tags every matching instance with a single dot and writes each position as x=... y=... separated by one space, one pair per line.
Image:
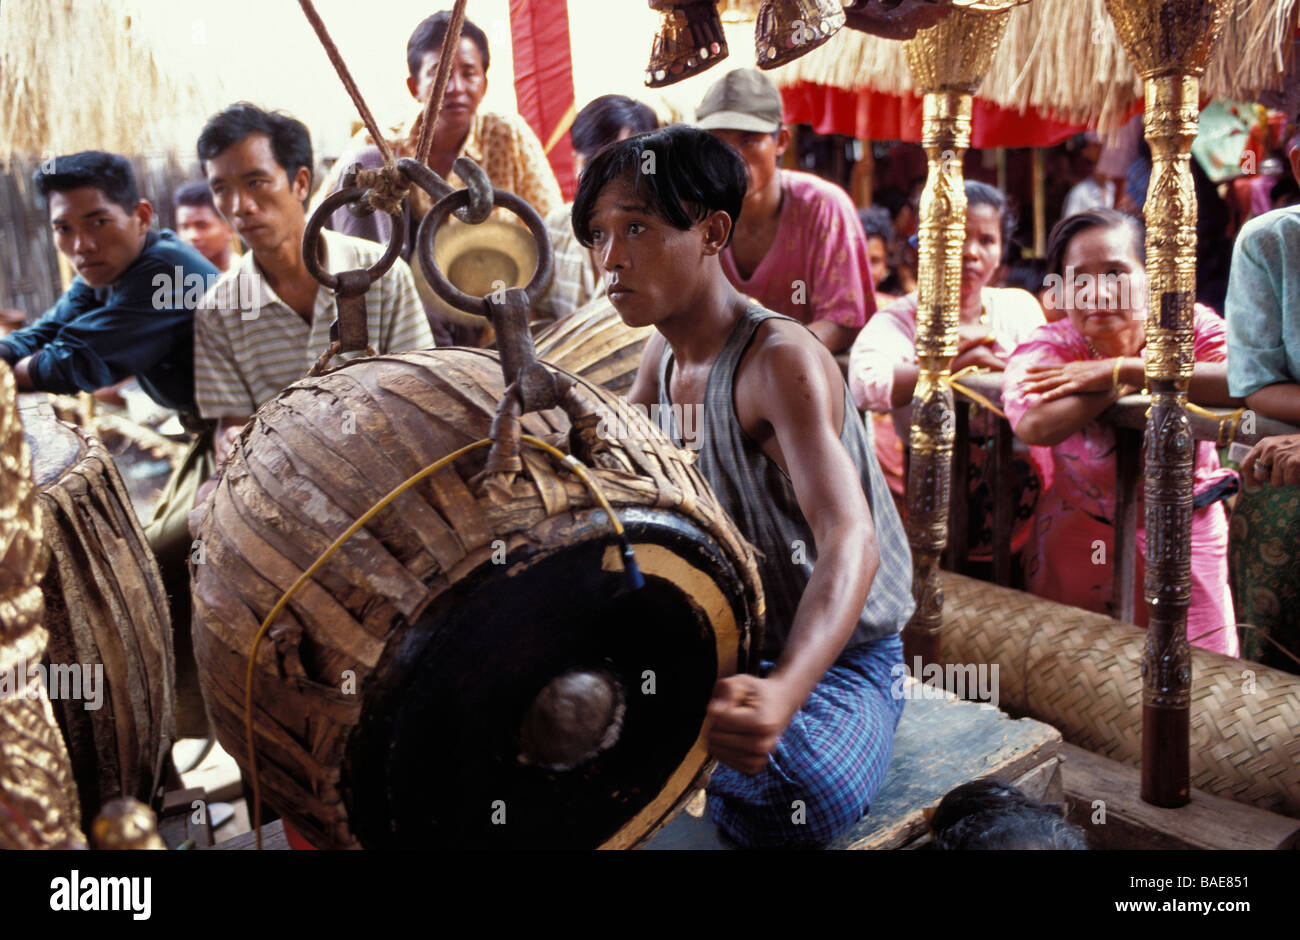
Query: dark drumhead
x=436 y=760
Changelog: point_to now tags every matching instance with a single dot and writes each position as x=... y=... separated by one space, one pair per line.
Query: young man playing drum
x=804 y=746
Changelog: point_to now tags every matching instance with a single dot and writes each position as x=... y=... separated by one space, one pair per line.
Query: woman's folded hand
x=1053 y=382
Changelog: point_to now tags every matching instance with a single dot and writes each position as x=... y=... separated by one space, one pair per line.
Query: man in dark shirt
x=129 y=311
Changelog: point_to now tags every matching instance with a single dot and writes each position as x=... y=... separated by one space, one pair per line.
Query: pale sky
x=266 y=52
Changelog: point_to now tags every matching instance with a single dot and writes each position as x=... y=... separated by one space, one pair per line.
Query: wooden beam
x=1103 y=798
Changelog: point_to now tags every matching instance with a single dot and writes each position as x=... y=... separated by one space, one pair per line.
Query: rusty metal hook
x=349 y=286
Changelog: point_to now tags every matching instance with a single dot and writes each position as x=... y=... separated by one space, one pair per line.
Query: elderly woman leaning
x=1058 y=383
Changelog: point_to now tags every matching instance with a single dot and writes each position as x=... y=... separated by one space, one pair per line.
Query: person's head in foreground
x=200 y=224
x=657 y=209
x=1096 y=274
x=743 y=109
x=99 y=220
x=606 y=120
x=990 y=814
x=259 y=167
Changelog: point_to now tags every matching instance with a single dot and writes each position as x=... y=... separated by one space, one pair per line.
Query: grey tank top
x=760 y=499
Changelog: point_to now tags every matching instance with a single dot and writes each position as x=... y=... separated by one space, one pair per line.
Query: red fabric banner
x=539 y=39
x=874 y=115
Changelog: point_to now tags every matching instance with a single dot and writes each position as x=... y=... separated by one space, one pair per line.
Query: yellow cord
x=567 y=459
x=970 y=393
x=1231 y=419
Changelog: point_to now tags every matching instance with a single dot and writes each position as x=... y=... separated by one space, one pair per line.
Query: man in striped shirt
x=267 y=320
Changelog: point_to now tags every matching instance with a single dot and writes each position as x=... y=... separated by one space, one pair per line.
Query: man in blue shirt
x=129 y=311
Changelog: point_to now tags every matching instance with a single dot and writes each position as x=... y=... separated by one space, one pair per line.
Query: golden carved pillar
x=948 y=61
x=1169 y=42
x=38 y=799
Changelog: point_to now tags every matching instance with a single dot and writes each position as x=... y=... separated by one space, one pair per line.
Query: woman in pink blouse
x=1069 y=372
x=883 y=365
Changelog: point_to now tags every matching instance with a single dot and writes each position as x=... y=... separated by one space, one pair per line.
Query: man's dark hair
x=428 y=38
x=109 y=173
x=1063 y=232
x=604 y=118
x=990 y=814
x=196 y=194
x=290 y=139
x=683 y=174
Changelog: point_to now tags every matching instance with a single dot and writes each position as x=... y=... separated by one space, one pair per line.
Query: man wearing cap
x=798 y=248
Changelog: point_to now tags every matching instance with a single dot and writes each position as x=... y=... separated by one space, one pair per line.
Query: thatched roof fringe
x=1063 y=57
x=83 y=78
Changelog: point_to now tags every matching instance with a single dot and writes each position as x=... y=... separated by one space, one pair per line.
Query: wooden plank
x=1130 y=412
x=273 y=839
x=1043 y=782
x=943 y=742
x=1128 y=469
x=1094 y=783
x=176 y=820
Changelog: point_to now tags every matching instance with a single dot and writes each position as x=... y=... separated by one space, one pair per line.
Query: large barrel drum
x=596 y=344
x=109 y=664
x=472 y=668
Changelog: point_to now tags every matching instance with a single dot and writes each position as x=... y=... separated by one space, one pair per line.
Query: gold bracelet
x=1114 y=375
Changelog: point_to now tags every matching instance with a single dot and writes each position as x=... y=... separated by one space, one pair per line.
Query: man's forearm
x=23 y=375
x=905 y=375
x=1208 y=386
x=1280 y=402
x=1049 y=423
x=828 y=612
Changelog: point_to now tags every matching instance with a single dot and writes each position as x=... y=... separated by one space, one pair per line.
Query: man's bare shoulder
x=781 y=348
x=786 y=370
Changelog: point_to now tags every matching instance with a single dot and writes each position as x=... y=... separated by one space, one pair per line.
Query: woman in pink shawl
x=1063 y=377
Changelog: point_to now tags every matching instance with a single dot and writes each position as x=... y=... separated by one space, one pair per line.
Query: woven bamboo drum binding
x=104 y=606
x=596 y=344
x=1081 y=672
x=394 y=698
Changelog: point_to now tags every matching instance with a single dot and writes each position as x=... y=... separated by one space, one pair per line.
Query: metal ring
x=480 y=191
x=458 y=199
x=312 y=234
x=425 y=178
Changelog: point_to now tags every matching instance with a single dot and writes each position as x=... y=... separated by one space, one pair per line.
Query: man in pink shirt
x=798 y=247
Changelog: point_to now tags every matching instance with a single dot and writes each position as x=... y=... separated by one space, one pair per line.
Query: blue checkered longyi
x=833 y=757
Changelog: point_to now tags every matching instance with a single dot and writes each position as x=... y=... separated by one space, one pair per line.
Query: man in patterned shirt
x=502 y=144
x=798 y=248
